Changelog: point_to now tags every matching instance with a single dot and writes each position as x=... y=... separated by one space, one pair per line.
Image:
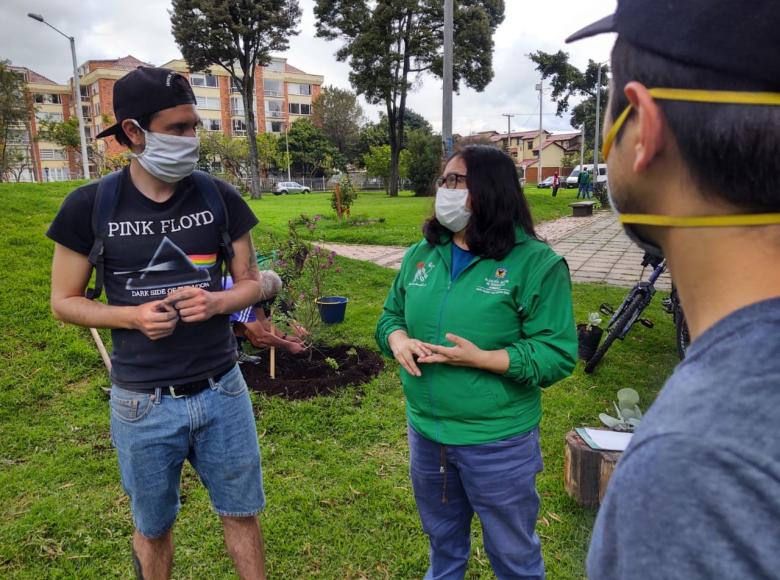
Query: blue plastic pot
x=332 y=308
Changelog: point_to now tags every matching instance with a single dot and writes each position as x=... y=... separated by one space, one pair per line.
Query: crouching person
x=157 y=234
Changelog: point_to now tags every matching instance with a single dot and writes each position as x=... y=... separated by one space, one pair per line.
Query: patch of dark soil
x=299 y=378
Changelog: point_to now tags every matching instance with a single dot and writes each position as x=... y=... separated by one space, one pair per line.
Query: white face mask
x=169 y=158
x=451 y=210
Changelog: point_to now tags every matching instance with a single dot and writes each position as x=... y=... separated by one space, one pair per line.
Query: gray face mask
x=451 y=210
x=169 y=158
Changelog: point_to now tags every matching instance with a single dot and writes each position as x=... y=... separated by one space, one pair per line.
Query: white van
x=571 y=180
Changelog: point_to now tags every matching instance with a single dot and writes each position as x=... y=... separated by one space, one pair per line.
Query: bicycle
x=630 y=311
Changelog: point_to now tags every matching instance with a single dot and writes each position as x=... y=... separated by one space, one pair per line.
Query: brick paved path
x=595 y=247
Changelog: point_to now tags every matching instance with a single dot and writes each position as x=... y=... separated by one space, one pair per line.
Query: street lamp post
x=287 y=146
x=76 y=93
x=596 y=136
x=446 y=123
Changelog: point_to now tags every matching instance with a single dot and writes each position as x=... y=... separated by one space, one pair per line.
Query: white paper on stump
x=605 y=440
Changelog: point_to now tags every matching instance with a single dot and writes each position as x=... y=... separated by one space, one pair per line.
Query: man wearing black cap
x=692 y=139
x=177 y=393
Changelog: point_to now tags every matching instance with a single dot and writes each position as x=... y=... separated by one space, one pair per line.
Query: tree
x=389 y=41
x=268 y=154
x=238 y=36
x=232 y=153
x=569 y=82
x=424 y=161
x=66 y=134
x=340 y=116
x=378 y=162
x=310 y=150
x=15 y=112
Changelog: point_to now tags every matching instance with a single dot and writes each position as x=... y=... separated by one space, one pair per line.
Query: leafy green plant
x=593 y=320
x=629 y=415
x=347 y=194
x=332 y=363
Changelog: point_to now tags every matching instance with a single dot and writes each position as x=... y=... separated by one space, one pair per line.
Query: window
x=298 y=89
x=204 y=80
x=529 y=145
x=86 y=110
x=84 y=91
x=274 y=126
x=234 y=88
x=96 y=106
x=88 y=132
x=52 y=154
x=239 y=127
x=212 y=124
x=274 y=109
x=211 y=103
x=94 y=89
x=272 y=88
x=236 y=106
x=300 y=109
x=55 y=173
x=47 y=99
x=51 y=117
x=276 y=65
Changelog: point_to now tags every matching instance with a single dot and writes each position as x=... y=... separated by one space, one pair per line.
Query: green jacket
x=521 y=303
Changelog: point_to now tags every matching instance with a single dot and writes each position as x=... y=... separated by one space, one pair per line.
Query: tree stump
x=586 y=471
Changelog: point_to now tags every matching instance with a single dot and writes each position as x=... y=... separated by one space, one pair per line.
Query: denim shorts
x=213 y=429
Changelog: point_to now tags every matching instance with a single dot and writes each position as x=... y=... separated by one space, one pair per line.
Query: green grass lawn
x=403 y=215
x=339 y=498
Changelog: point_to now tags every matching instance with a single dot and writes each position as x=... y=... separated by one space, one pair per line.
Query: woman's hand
x=466 y=354
x=405 y=349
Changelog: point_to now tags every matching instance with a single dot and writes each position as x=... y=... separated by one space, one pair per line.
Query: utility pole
x=76 y=92
x=540 y=88
x=508 y=129
x=596 y=136
x=287 y=146
x=582 y=146
x=446 y=118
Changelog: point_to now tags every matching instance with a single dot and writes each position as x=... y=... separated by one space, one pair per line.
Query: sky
x=106 y=29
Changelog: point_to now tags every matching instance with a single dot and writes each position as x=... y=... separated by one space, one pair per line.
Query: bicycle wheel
x=682 y=334
x=633 y=307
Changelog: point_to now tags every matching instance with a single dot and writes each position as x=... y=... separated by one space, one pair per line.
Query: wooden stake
x=101 y=348
x=273 y=348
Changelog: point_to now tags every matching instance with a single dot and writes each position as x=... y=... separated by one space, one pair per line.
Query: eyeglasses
x=451 y=180
x=694 y=96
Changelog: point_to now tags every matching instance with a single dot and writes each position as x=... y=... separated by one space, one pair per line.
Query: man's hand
x=466 y=354
x=155 y=319
x=194 y=304
x=405 y=349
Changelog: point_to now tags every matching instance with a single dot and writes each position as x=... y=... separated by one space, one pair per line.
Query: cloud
x=112 y=29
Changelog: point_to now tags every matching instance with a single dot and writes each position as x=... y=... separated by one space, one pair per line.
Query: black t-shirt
x=152 y=249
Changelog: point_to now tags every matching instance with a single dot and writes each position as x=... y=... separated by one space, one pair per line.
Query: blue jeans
x=213 y=429
x=495 y=480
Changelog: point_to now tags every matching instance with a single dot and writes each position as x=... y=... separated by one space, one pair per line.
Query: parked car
x=290 y=187
x=546 y=182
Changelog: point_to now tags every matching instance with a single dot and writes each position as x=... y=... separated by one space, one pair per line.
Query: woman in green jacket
x=480 y=320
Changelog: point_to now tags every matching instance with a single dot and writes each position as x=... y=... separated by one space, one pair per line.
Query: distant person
x=582 y=184
x=556 y=183
x=697 y=493
x=480 y=320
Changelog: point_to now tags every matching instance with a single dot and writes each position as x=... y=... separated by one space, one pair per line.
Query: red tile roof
x=128 y=62
x=32 y=76
x=291 y=69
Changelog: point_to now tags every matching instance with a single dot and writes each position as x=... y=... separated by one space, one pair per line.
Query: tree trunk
x=586 y=471
x=251 y=134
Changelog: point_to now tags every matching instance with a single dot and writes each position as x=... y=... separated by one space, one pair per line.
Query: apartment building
x=44 y=161
x=283 y=94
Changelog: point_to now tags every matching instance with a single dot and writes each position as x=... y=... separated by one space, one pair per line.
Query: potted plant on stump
x=589 y=336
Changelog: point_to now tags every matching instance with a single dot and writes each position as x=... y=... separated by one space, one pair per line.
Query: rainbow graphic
x=203 y=261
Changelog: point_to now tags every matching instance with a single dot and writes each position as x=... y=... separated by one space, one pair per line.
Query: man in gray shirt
x=692 y=139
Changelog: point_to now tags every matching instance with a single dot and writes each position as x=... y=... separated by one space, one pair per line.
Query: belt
x=185 y=389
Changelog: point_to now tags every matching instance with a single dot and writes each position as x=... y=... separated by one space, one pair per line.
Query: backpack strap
x=208 y=189
x=106 y=200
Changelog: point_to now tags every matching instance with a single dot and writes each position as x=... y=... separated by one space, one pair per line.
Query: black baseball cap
x=739 y=39
x=147 y=90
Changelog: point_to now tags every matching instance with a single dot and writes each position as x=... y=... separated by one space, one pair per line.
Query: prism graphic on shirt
x=169 y=267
